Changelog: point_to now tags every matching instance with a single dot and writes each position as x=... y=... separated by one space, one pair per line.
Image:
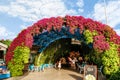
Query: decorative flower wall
x=101 y=40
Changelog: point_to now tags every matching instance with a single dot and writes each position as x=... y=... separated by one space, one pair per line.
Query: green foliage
x=54 y=51
x=94 y=33
x=7 y=42
x=95 y=57
x=37 y=59
x=16 y=68
x=47 y=55
x=115 y=76
x=88 y=35
x=22 y=52
x=110 y=60
x=21 y=56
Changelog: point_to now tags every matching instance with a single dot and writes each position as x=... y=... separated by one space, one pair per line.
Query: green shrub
x=95 y=57
x=21 y=56
x=88 y=36
x=15 y=68
x=115 y=76
x=110 y=60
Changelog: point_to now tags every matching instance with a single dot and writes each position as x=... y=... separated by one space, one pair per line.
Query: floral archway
x=103 y=38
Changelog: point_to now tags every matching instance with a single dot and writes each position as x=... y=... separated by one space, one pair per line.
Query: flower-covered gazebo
x=100 y=37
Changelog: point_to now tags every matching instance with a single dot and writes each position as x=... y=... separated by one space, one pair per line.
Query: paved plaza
x=50 y=74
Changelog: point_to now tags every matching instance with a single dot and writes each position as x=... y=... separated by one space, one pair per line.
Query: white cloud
x=112 y=12
x=33 y=10
x=117 y=31
x=36 y=9
x=80 y=4
x=23 y=26
x=5 y=34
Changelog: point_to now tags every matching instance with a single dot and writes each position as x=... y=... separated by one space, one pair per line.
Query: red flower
x=100 y=43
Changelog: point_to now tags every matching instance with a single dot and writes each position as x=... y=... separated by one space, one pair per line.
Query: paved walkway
x=53 y=74
x=50 y=74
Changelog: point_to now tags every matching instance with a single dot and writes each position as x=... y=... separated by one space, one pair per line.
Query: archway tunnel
x=58 y=49
x=50 y=47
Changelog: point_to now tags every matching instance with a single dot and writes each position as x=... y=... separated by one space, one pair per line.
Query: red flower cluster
x=48 y=24
x=94 y=26
x=75 y=22
x=100 y=44
x=108 y=32
x=116 y=39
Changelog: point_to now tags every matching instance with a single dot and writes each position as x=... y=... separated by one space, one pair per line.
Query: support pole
x=105 y=11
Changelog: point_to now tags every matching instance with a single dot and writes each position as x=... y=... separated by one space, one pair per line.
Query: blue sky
x=16 y=15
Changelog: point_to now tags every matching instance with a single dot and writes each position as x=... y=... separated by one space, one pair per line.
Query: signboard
x=90 y=72
x=75 y=41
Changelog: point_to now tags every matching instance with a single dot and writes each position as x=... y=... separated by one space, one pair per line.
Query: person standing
x=59 y=65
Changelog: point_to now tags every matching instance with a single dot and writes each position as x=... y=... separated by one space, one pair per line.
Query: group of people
x=72 y=60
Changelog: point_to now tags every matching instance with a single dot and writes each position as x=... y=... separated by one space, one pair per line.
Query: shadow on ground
x=76 y=77
x=18 y=77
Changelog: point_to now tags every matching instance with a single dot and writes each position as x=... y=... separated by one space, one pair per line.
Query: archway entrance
x=100 y=38
x=57 y=49
x=57 y=44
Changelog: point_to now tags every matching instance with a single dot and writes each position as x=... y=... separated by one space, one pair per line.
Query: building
x=3 y=49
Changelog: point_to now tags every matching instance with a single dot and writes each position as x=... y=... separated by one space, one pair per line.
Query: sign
x=75 y=41
x=90 y=72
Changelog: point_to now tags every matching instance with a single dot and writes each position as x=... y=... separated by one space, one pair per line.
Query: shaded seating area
x=33 y=68
x=4 y=73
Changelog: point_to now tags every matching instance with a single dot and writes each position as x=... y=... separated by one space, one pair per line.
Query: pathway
x=50 y=74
